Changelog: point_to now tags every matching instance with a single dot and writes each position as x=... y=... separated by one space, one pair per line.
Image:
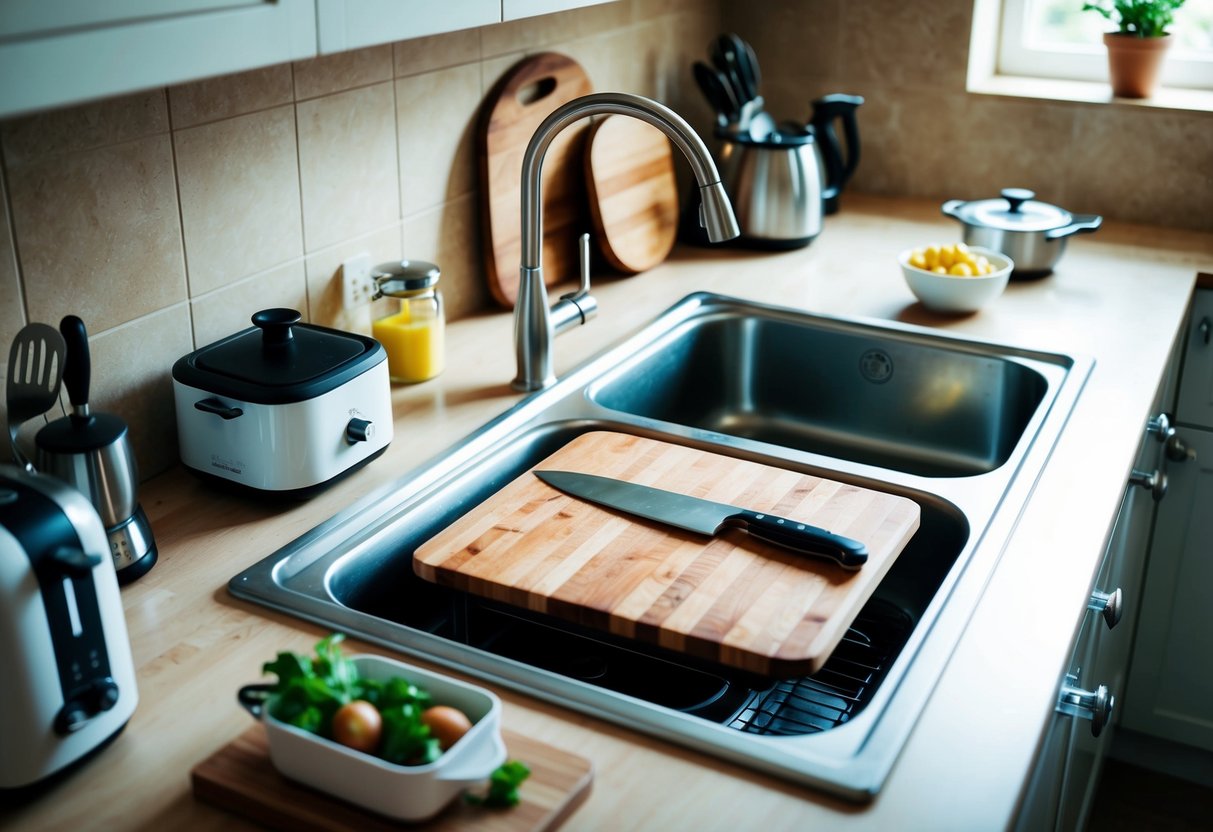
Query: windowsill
x=1172 y=98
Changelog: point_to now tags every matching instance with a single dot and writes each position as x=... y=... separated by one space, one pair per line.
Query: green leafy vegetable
x=1142 y=18
x=503 y=786
x=310 y=690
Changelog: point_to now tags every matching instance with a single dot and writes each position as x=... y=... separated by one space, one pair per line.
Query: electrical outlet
x=357 y=287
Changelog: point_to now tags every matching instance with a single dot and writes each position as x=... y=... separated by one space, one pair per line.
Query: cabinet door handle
x=1204 y=327
x=1109 y=604
x=1095 y=705
x=1160 y=427
x=1153 y=481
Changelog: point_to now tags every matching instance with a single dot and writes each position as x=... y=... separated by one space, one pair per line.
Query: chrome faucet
x=536 y=326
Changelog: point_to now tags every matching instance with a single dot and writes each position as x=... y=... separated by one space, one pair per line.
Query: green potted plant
x=1137 y=47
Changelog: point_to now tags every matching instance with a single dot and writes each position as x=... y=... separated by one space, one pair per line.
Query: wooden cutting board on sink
x=730 y=598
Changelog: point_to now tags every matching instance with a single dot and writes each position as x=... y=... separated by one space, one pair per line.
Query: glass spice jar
x=413 y=337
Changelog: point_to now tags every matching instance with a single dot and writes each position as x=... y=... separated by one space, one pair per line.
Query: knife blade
x=707 y=517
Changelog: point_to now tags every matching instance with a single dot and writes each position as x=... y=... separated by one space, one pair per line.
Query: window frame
x=1078 y=63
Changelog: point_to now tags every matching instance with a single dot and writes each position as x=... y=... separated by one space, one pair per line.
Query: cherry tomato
x=447 y=724
x=358 y=725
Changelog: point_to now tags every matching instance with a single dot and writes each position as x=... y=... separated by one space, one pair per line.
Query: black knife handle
x=801 y=537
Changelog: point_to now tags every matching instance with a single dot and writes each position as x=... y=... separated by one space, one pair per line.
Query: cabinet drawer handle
x=1153 y=481
x=1177 y=450
x=1109 y=604
x=1095 y=705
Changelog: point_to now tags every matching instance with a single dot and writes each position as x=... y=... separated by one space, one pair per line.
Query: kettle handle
x=827 y=110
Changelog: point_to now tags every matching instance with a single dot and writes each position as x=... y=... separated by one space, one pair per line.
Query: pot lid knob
x=1017 y=197
x=275 y=325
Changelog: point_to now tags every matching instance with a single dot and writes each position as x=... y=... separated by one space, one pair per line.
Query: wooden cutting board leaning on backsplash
x=730 y=598
x=526 y=95
x=633 y=195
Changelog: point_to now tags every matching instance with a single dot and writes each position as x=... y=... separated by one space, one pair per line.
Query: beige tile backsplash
x=166 y=218
x=238 y=184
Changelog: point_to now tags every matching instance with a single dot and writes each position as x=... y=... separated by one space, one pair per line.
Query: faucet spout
x=533 y=328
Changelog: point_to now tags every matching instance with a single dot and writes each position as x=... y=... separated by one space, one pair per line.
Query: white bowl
x=409 y=793
x=949 y=293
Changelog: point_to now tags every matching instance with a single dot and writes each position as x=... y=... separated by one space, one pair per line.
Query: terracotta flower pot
x=1134 y=63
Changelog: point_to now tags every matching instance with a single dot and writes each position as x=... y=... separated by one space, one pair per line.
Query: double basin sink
x=962 y=427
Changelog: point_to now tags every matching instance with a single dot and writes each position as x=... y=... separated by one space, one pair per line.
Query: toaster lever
x=74 y=562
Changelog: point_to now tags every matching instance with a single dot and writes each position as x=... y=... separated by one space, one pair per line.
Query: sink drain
x=876 y=366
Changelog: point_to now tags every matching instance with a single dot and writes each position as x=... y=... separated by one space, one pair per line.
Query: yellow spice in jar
x=414 y=346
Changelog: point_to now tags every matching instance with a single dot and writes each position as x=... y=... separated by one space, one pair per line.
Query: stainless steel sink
x=838 y=390
x=964 y=428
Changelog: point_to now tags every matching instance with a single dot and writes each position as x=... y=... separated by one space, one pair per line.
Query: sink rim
x=852 y=760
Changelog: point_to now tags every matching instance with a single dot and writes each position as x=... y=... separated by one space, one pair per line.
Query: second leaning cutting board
x=526 y=95
x=633 y=194
x=730 y=599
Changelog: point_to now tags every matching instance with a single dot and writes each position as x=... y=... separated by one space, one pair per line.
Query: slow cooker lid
x=1016 y=210
x=280 y=352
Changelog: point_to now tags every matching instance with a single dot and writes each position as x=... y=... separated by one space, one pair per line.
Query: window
x=1057 y=39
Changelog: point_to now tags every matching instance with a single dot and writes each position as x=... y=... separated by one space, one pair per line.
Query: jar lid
x=401 y=278
x=1015 y=210
x=279 y=360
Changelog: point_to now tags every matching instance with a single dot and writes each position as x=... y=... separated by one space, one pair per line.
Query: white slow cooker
x=283 y=406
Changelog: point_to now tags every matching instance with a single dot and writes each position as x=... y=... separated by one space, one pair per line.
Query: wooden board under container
x=526 y=95
x=241 y=779
x=730 y=599
x=633 y=193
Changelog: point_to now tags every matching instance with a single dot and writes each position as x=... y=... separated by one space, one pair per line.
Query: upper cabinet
x=515 y=9
x=352 y=24
x=67 y=52
x=52 y=54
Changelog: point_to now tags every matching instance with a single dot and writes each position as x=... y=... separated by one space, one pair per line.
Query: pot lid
x=279 y=360
x=1016 y=210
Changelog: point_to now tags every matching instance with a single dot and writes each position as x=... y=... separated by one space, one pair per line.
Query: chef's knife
x=707 y=517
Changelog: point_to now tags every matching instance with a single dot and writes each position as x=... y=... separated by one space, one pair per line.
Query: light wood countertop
x=1119 y=295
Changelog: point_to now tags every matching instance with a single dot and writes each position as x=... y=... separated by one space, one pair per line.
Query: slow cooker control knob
x=359 y=430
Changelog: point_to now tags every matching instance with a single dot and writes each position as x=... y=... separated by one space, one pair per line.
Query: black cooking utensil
x=715 y=88
x=741 y=57
x=723 y=55
x=35 y=368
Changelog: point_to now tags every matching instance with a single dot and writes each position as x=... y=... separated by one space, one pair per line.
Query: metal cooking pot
x=1031 y=233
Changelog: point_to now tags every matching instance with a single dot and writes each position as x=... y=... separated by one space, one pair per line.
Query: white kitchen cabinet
x=72 y=51
x=517 y=9
x=53 y=54
x=353 y=24
x=1170 y=692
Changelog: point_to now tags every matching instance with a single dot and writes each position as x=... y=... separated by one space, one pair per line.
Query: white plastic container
x=409 y=793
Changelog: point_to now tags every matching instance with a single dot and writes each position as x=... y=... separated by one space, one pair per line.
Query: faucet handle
x=583 y=258
x=576 y=308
